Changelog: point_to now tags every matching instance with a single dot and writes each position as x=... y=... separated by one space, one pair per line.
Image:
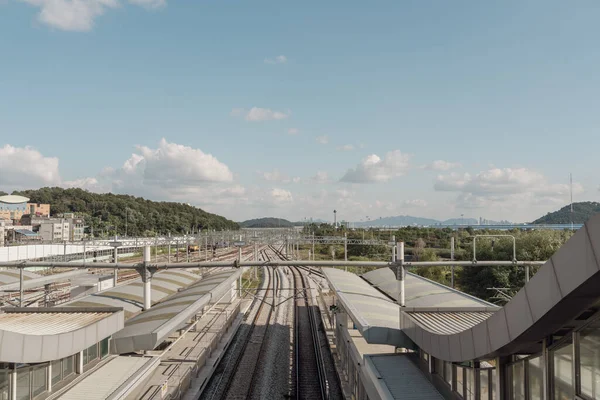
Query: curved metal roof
x=33 y=335
x=13 y=199
x=131 y=295
x=565 y=287
x=148 y=329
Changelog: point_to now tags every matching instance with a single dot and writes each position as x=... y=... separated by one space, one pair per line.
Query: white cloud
x=257 y=114
x=276 y=60
x=80 y=15
x=495 y=180
x=322 y=139
x=505 y=189
x=414 y=203
x=373 y=169
x=346 y=147
x=320 y=177
x=149 y=3
x=281 y=196
x=89 y=183
x=441 y=165
x=25 y=167
x=293 y=131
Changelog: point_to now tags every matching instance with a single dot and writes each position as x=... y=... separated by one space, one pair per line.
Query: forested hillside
x=107 y=213
x=581 y=212
x=267 y=223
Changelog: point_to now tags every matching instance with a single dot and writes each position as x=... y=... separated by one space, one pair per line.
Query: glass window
x=448 y=373
x=563 y=373
x=90 y=354
x=518 y=381
x=589 y=358
x=23 y=386
x=439 y=367
x=67 y=364
x=425 y=355
x=494 y=384
x=56 y=372
x=460 y=384
x=484 y=384
x=470 y=390
x=39 y=375
x=104 y=348
x=4 y=384
x=536 y=378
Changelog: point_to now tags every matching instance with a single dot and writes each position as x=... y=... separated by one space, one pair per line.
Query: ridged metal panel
x=449 y=322
x=421 y=292
x=48 y=323
x=148 y=329
x=130 y=296
x=403 y=379
x=106 y=380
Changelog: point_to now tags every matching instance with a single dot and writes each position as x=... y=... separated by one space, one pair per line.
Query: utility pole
x=571 y=190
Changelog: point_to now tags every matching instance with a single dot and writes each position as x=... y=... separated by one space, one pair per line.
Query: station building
x=543 y=344
x=13 y=207
x=101 y=345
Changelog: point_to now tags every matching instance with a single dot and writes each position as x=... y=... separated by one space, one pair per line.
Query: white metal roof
x=13 y=199
x=376 y=316
x=397 y=377
x=422 y=292
x=105 y=382
x=33 y=335
x=130 y=296
x=148 y=329
x=28 y=323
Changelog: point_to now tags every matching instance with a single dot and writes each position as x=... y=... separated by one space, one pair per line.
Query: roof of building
x=396 y=377
x=13 y=199
x=376 y=316
x=148 y=329
x=32 y=335
x=564 y=288
x=26 y=232
x=421 y=292
x=130 y=296
x=12 y=275
x=110 y=380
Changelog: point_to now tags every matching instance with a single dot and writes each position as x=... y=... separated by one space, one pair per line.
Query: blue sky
x=425 y=108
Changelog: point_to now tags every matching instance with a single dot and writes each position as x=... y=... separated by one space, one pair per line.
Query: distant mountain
x=581 y=212
x=268 y=222
x=400 y=220
x=407 y=220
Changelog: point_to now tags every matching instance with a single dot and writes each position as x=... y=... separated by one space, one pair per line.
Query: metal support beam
x=400 y=273
x=146 y=271
x=116 y=260
x=21 y=287
x=452 y=259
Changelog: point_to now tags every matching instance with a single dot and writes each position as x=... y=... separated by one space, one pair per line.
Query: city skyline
x=293 y=110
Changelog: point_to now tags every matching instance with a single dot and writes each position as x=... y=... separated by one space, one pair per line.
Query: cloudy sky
x=292 y=109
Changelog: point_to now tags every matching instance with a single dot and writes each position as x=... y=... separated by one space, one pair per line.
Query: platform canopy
x=453 y=326
x=150 y=328
x=33 y=335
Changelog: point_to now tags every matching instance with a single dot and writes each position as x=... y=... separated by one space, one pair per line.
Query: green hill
x=106 y=213
x=581 y=212
x=268 y=222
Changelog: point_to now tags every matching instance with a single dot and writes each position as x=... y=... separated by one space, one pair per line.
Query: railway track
x=310 y=376
x=254 y=369
x=309 y=370
x=241 y=381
